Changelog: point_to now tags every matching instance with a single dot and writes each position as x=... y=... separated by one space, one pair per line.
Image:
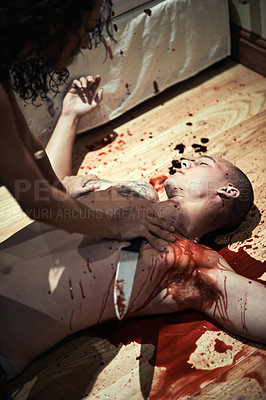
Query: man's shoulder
x=198 y=254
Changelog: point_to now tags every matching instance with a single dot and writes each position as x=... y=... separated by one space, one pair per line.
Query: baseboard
x=248 y=49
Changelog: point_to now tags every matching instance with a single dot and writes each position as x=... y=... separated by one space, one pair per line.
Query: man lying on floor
x=54 y=283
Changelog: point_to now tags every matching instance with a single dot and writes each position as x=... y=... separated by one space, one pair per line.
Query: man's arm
x=193 y=276
x=240 y=306
x=234 y=301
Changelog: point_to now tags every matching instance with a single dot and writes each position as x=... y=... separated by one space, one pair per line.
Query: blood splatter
x=256 y=375
x=148 y=11
x=177 y=284
x=155 y=86
x=204 y=140
x=174 y=337
x=110 y=52
x=243 y=307
x=175 y=164
x=88 y=266
x=120 y=300
x=221 y=347
x=101 y=143
x=70 y=321
x=199 y=148
x=158 y=183
x=180 y=147
x=81 y=288
x=70 y=289
x=115 y=27
x=127 y=88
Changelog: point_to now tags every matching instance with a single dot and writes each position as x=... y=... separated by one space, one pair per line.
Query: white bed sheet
x=159 y=43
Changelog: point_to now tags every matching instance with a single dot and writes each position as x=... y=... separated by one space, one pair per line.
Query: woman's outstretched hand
x=83 y=96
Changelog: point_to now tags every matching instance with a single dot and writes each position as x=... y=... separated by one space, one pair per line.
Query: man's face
x=197 y=179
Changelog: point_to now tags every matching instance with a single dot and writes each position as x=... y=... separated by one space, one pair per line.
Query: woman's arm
x=37 y=197
x=31 y=142
x=42 y=201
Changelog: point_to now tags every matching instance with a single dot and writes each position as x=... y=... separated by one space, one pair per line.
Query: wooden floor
x=179 y=356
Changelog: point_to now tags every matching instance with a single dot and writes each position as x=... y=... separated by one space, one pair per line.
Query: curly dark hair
x=22 y=21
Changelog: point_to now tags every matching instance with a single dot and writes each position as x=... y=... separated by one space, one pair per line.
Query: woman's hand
x=82 y=97
x=79 y=184
x=143 y=220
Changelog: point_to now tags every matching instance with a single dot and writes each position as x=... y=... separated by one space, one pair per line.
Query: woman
x=49 y=34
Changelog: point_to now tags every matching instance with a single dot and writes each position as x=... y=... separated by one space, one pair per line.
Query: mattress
x=158 y=44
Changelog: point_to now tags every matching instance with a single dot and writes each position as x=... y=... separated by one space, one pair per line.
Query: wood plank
x=247 y=380
x=171 y=356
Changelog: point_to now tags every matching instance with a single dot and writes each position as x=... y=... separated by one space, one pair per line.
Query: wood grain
x=151 y=358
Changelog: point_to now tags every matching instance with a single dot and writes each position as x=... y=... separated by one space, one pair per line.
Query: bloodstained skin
x=187 y=279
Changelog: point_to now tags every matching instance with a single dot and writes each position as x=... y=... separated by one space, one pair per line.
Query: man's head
x=214 y=187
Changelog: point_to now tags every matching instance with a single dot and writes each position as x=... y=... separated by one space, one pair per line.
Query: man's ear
x=229 y=192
